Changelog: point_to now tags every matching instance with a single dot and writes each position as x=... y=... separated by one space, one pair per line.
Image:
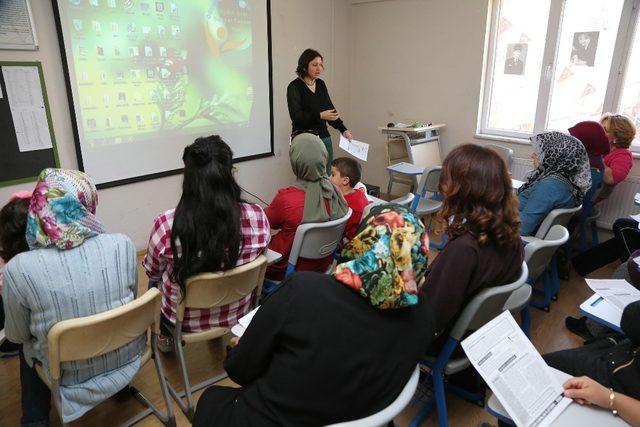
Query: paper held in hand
x=357 y=149
x=243 y=323
x=618 y=293
x=515 y=372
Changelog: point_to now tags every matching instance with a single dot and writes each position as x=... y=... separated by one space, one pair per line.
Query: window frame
x=627 y=27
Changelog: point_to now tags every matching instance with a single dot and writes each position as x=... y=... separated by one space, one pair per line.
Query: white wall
x=415 y=60
x=418 y=60
x=130 y=209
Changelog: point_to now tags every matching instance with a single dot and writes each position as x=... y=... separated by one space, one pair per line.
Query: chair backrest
x=209 y=290
x=538 y=253
x=504 y=152
x=317 y=240
x=486 y=305
x=429 y=181
x=404 y=200
x=382 y=418
x=95 y=335
x=556 y=217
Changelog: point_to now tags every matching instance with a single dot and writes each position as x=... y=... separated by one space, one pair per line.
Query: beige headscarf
x=308 y=160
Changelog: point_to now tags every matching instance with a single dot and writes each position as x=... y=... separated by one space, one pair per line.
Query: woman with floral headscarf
x=561 y=178
x=72 y=269
x=324 y=349
x=312 y=198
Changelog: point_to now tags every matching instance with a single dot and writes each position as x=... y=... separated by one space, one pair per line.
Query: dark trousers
x=329 y=147
x=35 y=397
x=625 y=241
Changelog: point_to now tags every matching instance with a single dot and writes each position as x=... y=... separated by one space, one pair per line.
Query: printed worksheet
x=618 y=293
x=515 y=372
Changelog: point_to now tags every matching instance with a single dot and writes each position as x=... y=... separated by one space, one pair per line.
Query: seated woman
x=610 y=360
x=625 y=240
x=211 y=229
x=594 y=138
x=324 y=349
x=620 y=131
x=13 y=225
x=313 y=198
x=73 y=269
x=560 y=179
x=480 y=213
x=584 y=390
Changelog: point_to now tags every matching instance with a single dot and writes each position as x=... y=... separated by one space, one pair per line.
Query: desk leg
x=390 y=183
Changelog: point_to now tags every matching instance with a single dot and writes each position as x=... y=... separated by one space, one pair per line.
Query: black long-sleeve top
x=305 y=107
x=317 y=353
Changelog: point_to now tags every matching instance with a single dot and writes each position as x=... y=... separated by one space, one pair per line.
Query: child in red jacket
x=345 y=174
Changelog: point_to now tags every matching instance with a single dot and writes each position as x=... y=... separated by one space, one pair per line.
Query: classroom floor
x=205 y=360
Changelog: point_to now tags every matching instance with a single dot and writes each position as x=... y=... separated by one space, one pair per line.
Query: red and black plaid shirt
x=158 y=263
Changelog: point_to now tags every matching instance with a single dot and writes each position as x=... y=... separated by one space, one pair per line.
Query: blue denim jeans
x=35 y=397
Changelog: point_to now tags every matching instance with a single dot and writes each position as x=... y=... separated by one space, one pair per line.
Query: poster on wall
x=584 y=47
x=16 y=25
x=148 y=77
x=516 y=58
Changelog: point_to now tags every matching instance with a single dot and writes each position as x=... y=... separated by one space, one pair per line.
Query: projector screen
x=145 y=78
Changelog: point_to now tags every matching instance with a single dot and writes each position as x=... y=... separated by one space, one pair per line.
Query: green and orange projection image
x=144 y=67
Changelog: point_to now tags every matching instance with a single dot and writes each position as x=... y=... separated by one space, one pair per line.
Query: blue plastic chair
x=486 y=305
x=313 y=240
x=423 y=205
x=540 y=258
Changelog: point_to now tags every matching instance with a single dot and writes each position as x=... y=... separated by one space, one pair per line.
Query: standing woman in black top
x=310 y=106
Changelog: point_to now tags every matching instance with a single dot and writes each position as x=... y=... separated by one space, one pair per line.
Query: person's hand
x=585 y=390
x=234 y=341
x=329 y=115
x=347 y=135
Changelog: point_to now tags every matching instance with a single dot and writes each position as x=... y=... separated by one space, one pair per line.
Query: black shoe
x=578 y=327
x=9 y=349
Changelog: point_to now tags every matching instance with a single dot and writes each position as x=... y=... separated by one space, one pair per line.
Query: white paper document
x=618 y=293
x=26 y=103
x=515 y=372
x=636 y=199
x=357 y=149
x=16 y=25
x=245 y=320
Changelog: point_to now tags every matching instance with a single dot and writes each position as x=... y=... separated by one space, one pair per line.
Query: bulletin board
x=28 y=143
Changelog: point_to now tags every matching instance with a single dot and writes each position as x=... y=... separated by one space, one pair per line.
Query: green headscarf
x=308 y=161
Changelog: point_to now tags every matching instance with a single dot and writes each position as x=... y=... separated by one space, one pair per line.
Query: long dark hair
x=478 y=197
x=13 y=224
x=303 y=62
x=207 y=219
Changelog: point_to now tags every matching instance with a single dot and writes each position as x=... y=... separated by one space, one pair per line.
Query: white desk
x=598 y=310
x=421 y=145
x=516 y=183
x=273 y=256
x=405 y=168
x=574 y=415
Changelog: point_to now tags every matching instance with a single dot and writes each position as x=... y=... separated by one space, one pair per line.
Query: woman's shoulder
x=295 y=83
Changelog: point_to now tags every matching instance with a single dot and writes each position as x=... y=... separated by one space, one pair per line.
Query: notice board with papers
x=27 y=141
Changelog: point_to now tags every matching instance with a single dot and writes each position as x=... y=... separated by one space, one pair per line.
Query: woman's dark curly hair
x=478 y=197
x=303 y=62
x=13 y=224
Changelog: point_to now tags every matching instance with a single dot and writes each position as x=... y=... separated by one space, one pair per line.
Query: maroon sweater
x=464 y=268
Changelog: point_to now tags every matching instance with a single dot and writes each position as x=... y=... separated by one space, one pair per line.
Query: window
x=553 y=63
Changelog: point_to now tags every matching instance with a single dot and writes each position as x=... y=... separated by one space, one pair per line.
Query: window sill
x=510 y=139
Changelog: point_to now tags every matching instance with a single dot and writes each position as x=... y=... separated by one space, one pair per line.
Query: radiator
x=618 y=205
x=520 y=168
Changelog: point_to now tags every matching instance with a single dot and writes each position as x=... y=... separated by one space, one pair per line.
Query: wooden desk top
x=412 y=129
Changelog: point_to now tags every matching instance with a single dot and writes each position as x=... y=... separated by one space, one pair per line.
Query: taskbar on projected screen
x=155 y=135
